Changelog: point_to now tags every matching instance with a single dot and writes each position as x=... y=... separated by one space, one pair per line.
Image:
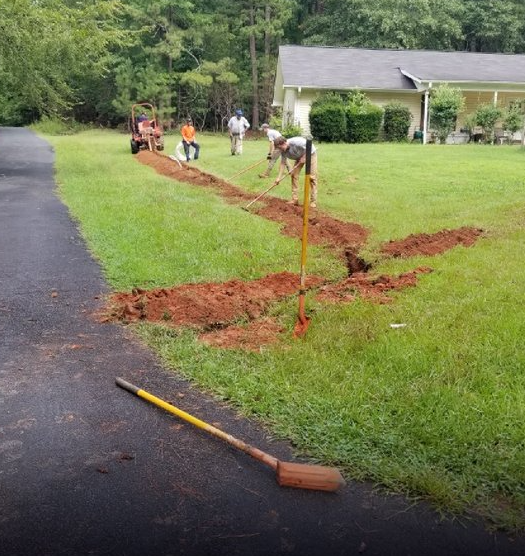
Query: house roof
x=345 y=68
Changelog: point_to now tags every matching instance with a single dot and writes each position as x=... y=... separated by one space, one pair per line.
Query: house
x=407 y=76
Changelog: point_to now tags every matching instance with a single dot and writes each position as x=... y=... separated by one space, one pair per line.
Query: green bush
x=363 y=123
x=327 y=118
x=513 y=119
x=289 y=130
x=327 y=99
x=486 y=117
x=445 y=105
x=396 y=122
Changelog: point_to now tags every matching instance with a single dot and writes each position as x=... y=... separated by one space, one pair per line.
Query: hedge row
x=356 y=120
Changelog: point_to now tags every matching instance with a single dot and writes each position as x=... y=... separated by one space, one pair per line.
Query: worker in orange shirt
x=188 y=140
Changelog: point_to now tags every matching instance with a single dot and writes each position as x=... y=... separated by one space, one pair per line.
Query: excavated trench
x=216 y=309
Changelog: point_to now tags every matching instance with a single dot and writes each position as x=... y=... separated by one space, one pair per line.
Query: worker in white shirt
x=237 y=127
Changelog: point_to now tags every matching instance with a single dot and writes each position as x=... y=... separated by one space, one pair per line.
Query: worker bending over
x=295 y=149
x=273 y=153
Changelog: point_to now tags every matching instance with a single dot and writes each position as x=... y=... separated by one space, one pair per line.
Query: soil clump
x=373 y=288
x=431 y=244
x=252 y=337
x=205 y=306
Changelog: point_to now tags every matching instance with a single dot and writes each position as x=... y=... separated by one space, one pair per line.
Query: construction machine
x=146 y=132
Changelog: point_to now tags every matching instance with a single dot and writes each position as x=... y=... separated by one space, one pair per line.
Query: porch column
x=425 y=116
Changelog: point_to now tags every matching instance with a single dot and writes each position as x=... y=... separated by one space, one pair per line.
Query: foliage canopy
x=90 y=60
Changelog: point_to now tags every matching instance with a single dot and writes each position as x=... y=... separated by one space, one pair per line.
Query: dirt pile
x=205 y=306
x=369 y=287
x=251 y=337
x=216 y=309
x=431 y=244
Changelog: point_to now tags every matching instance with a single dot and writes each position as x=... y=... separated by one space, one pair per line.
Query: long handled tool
x=303 y=321
x=298 y=475
x=246 y=169
x=174 y=158
x=274 y=184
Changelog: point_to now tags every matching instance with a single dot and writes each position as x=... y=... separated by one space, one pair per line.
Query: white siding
x=411 y=100
x=303 y=109
x=289 y=106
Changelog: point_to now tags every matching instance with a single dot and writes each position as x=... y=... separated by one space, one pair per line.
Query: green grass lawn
x=435 y=409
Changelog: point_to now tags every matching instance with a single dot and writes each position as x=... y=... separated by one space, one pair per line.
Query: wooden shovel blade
x=313 y=477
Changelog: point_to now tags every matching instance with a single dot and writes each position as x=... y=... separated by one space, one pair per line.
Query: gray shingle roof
x=342 y=68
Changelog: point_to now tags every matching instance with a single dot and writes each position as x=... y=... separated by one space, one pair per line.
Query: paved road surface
x=88 y=469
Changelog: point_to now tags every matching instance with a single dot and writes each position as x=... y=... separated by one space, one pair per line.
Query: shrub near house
x=327 y=118
x=363 y=119
x=396 y=122
x=446 y=103
x=356 y=120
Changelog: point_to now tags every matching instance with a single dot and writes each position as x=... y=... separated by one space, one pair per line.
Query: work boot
x=294 y=202
x=264 y=175
x=313 y=204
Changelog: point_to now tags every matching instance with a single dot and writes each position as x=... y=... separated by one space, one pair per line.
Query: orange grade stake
x=303 y=321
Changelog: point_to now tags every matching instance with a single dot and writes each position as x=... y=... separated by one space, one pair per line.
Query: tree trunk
x=267 y=44
x=255 y=80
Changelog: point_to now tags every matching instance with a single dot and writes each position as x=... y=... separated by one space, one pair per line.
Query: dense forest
x=91 y=60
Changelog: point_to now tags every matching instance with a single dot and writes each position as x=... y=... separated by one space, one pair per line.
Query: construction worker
x=273 y=153
x=237 y=127
x=188 y=140
x=295 y=149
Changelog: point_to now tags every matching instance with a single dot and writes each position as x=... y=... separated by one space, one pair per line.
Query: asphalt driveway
x=88 y=469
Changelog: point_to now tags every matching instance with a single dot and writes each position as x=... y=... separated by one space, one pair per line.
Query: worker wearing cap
x=295 y=149
x=237 y=127
x=273 y=153
x=188 y=140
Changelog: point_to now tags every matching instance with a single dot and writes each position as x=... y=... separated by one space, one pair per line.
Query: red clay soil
x=373 y=288
x=323 y=229
x=251 y=337
x=431 y=244
x=215 y=308
x=205 y=305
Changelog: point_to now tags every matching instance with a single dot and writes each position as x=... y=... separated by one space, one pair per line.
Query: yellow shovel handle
x=251 y=450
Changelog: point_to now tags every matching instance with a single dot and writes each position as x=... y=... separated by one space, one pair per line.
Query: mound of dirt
x=251 y=337
x=431 y=244
x=369 y=287
x=205 y=305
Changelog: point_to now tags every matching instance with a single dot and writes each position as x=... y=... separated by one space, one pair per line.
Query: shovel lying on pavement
x=297 y=475
x=274 y=184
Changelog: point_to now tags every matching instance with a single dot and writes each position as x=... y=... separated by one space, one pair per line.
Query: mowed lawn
x=433 y=409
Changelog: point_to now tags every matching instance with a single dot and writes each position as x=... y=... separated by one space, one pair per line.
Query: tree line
x=92 y=60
